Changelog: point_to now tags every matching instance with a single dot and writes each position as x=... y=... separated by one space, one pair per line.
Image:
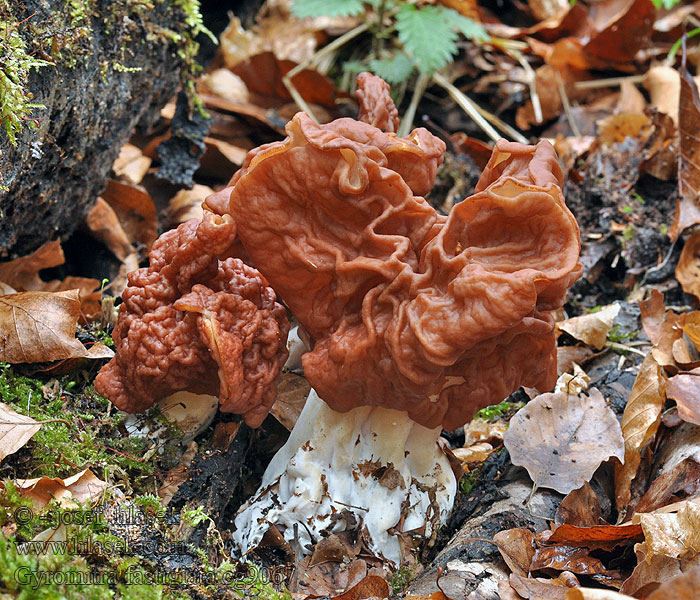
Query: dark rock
x=116 y=63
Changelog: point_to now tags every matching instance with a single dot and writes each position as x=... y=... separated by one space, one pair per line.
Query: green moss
x=467 y=483
x=82 y=432
x=498 y=411
x=16 y=106
x=400 y=579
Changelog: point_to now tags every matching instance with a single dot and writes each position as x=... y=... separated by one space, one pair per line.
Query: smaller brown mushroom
x=191 y=321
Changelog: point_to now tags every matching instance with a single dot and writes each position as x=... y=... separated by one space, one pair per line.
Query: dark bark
x=57 y=170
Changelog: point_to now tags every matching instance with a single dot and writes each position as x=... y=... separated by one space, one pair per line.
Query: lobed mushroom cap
x=191 y=321
x=438 y=316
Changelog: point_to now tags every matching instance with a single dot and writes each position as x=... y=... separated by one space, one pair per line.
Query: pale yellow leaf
x=15 y=430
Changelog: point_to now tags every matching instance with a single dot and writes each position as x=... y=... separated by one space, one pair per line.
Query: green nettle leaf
x=427 y=35
x=393 y=70
x=326 y=8
x=469 y=28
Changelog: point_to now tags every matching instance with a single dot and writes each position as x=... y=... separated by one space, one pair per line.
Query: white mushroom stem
x=370 y=468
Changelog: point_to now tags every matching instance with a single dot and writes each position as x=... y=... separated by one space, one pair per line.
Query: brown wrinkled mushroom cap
x=193 y=322
x=409 y=309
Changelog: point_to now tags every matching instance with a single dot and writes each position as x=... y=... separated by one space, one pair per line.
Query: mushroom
x=418 y=319
x=192 y=321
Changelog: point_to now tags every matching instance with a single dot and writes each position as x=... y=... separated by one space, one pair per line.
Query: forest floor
x=96 y=503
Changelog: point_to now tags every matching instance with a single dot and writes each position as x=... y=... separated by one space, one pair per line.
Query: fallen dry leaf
x=685 y=390
x=683 y=587
x=224 y=83
x=371 y=586
x=135 y=211
x=562 y=439
x=593 y=328
x=536 y=589
x=580 y=507
x=651 y=572
x=292 y=391
x=23 y=273
x=640 y=422
x=516 y=548
x=678 y=474
x=675 y=535
x=40 y=327
x=187 y=204
x=131 y=164
x=599 y=537
x=687 y=207
x=688 y=267
x=15 y=430
x=104 y=224
x=81 y=487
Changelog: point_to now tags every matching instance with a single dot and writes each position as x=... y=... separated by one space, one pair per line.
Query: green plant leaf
x=469 y=28
x=324 y=8
x=427 y=35
x=393 y=70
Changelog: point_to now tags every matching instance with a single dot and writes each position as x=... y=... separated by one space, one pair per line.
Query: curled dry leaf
x=640 y=422
x=104 y=224
x=131 y=164
x=651 y=572
x=81 y=487
x=685 y=390
x=15 y=430
x=516 y=548
x=593 y=328
x=688 y=208
x=562 y=439
x=683 y=587
x=675 y=535
x=688 y=267
x=187 y=204
x=135 y=211
x=536 y=589
x=580 y=507
x=23 y=273
x=371 y=586
x=292 y=391
x=40 y=327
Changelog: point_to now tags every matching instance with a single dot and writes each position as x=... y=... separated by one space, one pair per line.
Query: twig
x=567 y=107
x=624 y=348
x=531 y=82
x=410 y=114
x=502 y=125
x=467 y=105
x=326 y=50
x=609 y=82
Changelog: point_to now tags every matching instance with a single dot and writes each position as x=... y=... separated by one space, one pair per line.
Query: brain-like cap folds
x=411 y=310
x=191 y=321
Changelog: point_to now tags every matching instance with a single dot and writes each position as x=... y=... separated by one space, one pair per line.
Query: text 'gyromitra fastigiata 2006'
x=418 y=319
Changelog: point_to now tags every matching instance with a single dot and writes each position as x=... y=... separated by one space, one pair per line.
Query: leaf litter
x=628 y=516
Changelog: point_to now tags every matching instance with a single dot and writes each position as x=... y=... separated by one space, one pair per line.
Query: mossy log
x=110 y=65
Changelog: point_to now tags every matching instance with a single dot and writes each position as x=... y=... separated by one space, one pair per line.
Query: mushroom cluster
x=417 y=319
x=196 y=322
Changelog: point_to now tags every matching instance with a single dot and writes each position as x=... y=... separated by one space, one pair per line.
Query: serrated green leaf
x=469 y=28
x=326 y=8
x=427 y=35
x=393 y=70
